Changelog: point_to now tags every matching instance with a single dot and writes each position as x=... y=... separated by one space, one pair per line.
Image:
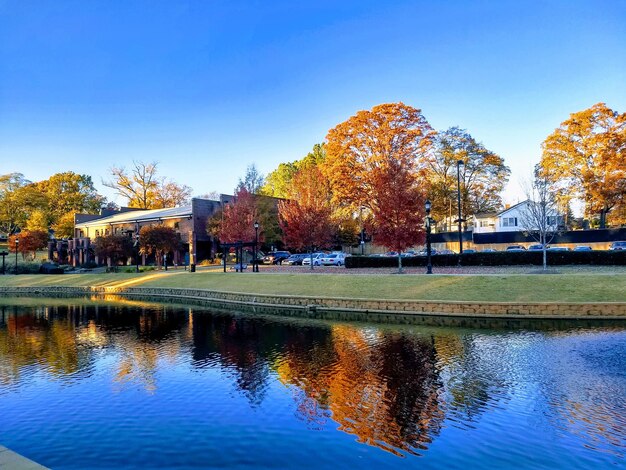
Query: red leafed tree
x=158 y=239
x=305 y=217
x=398 y=209
x=238 y=218
x=29 y=242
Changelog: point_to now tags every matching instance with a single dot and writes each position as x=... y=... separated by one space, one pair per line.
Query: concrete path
x=9 y=460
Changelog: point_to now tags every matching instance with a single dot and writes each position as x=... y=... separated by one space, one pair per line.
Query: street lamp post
x=17 y=244
x=458 y=198
x=255 y=261
x=429 y=266
x=136 y=252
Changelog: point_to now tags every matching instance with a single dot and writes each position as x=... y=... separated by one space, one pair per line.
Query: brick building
x=189 y=222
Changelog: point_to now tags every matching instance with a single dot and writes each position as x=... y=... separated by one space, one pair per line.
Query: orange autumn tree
x=306 y=217
x=30 y=241
x=373 y=161
x=585 y=158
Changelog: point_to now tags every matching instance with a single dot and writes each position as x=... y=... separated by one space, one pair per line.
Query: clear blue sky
x=208 y=87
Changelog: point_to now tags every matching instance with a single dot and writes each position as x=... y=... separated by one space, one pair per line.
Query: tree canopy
x=369 y=142
x=373 y=162
x=483 y=174
x=586 y=158
x=143 y=189
x=278 y=182
x=306 y=216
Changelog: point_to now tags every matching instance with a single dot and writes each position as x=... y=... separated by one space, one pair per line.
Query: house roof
x=140 y=216
x=485 y=215
x=512 y=207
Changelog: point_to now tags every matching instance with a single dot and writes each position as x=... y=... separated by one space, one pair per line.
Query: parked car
x=276 y=257
x=316 y=259
x=296 y=260
x=558 y=248
x=446 y=252
x=618 y=246
x=490 y=250
x=537 y=247
x=469 y=250
x=333 y=259
x=515 y=248
x=583 y=248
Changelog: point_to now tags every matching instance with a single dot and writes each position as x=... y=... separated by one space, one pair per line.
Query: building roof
x=512 y=207
x=485 y=215
x=140 y=216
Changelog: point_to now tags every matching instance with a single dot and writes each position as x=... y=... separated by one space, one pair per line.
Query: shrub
x=501 y=258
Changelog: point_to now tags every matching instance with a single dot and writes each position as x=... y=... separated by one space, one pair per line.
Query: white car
x=316 y=259
x=334 y=259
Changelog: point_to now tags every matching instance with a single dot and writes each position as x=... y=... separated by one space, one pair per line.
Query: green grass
x=498 y=288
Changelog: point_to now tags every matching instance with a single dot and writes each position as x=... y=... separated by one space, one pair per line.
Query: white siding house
x=514 y=219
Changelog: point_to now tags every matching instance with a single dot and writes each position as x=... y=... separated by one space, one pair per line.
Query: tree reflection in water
x=391 y=387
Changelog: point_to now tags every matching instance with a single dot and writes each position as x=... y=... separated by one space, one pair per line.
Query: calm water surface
x=130 y=384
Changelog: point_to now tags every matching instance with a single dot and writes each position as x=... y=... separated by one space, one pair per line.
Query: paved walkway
x=11 y=460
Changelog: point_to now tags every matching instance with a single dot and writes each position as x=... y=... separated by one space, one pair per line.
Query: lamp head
x=427 y=205
x=256 y=225
x=460 y=162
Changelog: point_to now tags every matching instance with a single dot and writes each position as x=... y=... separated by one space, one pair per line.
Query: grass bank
x=487 y=288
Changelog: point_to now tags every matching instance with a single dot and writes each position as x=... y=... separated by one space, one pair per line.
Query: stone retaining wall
x=545 y=310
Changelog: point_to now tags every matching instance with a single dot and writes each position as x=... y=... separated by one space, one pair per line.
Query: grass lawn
x=498 y=288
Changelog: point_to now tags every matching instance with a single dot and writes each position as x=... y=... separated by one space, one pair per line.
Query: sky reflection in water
x=145 y=385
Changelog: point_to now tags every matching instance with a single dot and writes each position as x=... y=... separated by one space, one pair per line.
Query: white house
x=515 y=218
x=485 y=222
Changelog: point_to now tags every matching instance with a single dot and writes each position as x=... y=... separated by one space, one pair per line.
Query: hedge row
x=502 y=258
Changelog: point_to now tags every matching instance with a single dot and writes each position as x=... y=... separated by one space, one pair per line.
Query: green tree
x=483 y=175
x=252 y=181
x=12 y=211
x=278 y=182
x=66 y=192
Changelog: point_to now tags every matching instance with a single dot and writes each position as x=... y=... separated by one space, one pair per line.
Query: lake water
x=127 y=384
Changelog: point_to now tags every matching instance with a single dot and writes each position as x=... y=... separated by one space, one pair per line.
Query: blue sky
x=208 y=87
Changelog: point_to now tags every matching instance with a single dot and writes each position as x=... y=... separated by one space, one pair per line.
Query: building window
x=509 y=221
x=551 y=220
x=97 y=233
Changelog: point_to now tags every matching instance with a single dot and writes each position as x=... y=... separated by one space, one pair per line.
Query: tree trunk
x=400 y=263
x=545 y=258
x=603 y=214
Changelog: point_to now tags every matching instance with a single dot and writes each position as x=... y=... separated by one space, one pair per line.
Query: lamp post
x=458 y=199
x=429 y=266
x=255 y=261
x=136 y=244
x=362 y=231
x=17 y=244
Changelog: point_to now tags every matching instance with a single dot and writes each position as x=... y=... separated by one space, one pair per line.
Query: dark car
x=618 y=246
x=276 y=257
x=515 y=248
x=296 y=260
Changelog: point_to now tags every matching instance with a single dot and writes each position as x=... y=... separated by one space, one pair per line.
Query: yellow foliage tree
x=38 y=221
x=586 y=158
